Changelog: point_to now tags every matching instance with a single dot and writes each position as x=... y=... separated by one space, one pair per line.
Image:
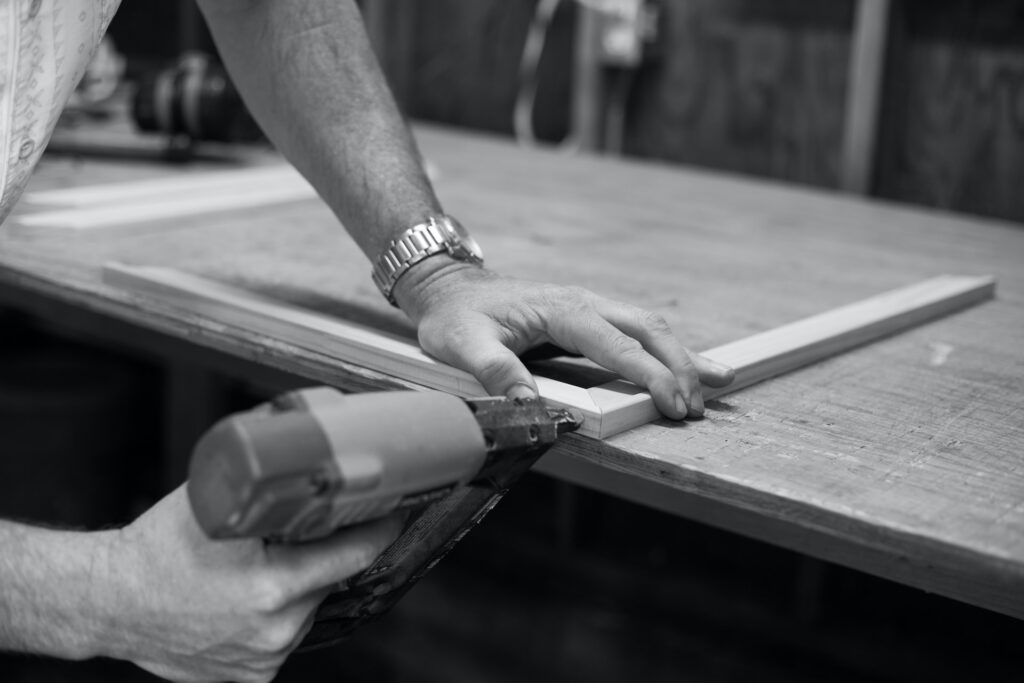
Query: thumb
x=493 y=364
x=317 y=564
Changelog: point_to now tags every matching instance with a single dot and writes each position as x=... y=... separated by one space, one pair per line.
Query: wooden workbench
x=904 y=458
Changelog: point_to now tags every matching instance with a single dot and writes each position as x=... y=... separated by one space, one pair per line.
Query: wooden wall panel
x=748 y=86
x=466 y=65
x=759 y=88
x=391 y=26
x=954 y=119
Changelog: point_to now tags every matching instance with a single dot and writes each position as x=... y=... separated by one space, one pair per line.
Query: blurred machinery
x=193 y=100
x=617 y=37
x=172 y=113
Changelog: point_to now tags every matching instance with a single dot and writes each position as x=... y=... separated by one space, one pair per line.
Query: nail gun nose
x=566 y=420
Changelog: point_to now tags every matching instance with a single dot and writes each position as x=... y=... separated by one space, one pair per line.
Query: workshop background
x=563 y=584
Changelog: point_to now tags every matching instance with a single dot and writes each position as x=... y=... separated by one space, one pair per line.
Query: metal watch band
x=435 y=235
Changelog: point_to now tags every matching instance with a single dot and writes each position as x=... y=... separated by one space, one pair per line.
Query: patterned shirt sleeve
x=45 y=47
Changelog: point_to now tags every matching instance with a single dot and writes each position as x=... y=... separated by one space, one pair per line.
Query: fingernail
x=681 y=405
x=521 y=391
x=722 y=368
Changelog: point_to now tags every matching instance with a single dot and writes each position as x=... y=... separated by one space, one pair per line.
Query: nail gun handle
x=427 y=538
x=519 y=432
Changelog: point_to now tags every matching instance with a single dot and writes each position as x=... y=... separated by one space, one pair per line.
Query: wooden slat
x=608 y=409
x=783 y=349
x=133 y=203
x=178 y=186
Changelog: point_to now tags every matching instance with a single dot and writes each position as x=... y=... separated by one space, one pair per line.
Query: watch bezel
x=465 y=240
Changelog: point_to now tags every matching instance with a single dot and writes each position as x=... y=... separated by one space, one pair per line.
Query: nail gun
x=316 y=460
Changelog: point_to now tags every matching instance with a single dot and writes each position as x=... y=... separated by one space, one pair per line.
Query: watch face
x=465 y=238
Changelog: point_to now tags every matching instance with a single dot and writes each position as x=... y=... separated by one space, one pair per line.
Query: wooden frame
x=607 y=409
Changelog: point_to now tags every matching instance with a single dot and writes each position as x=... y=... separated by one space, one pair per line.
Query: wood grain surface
x=471 y=76
x=904 y=458
x=954 y=111
x=748 y=86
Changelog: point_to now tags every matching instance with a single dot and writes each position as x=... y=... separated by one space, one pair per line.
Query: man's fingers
x=609 y=346
x=655 y=335
x=312 y=566
x=485 y=338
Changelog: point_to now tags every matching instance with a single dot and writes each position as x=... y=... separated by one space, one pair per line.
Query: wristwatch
x=437 y=234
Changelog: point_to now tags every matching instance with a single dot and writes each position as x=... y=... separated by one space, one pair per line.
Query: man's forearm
x=51 y=590
x=309 y=75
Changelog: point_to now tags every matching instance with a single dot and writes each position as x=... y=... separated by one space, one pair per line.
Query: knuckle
x=360 y=557
x=660 y=380
x=452 y=341
x=557 y=309
x=558 y=296
x=277 y=638
x=494 y=367
x=655 y=324
x=687 y=371
x=433 y=336
x=577 y=293
x=624 y=345
x=270 y=596
x=519 y=321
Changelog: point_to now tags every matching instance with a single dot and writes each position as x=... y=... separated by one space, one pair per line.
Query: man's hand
x=476 y=320
x=190 y=609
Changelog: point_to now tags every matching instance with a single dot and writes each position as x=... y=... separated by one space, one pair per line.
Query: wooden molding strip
x=793 y=346
x=179 y=186
x=155 y=199
x=607 y=409
x=164 y=205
